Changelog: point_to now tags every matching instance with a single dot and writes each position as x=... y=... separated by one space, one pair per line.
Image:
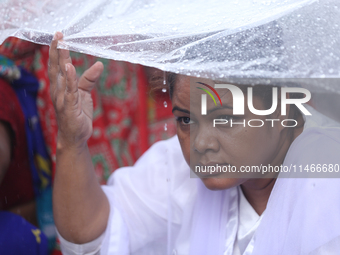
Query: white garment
x=249 y=220
x=138 y=198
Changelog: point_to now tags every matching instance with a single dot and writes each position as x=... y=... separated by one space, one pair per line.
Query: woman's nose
x=205 y=140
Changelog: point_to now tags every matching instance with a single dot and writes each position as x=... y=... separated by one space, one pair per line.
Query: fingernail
x=55 y=36
x=66 y=67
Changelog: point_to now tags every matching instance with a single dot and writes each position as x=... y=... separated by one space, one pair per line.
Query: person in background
x=18 y=231
x=16 y=188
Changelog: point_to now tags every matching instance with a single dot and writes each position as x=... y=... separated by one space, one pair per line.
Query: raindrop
x=164 y=79
x=164 y=90
x=165 y=127
x=165 y=104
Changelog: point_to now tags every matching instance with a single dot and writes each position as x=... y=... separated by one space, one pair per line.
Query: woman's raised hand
x=71 y=96
x=77 y=195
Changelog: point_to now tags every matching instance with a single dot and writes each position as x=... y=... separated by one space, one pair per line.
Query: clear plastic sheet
x=281 y=42
x=213 y=39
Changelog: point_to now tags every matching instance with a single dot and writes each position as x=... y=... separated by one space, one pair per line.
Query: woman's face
x=205 y=145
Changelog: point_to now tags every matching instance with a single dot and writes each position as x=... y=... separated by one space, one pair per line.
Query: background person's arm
x=80 y=207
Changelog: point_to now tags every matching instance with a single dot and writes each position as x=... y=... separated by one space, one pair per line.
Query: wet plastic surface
x=213 y=39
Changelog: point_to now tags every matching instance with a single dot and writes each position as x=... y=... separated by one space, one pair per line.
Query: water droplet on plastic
x=164 y=90
x=164 y=78
x=165 y=104
x=165 y=127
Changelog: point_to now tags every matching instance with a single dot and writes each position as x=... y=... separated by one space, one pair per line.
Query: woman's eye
x=184 y=120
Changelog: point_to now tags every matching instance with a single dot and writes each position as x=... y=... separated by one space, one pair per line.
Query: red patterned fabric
x=127 y=120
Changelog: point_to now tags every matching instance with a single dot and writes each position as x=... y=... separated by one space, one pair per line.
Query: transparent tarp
x=212 y=39
x=277 y=42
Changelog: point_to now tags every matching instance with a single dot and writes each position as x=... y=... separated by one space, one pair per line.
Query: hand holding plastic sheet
x=71 y=97
x=214 y=39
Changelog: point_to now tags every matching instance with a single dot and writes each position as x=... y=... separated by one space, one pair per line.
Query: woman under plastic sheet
x=213 y=214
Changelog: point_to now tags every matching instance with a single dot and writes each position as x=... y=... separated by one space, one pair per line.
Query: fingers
x=53 y=62
x=63 y=78
x=71 y=96
x=90 y=76
x=64 y=58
